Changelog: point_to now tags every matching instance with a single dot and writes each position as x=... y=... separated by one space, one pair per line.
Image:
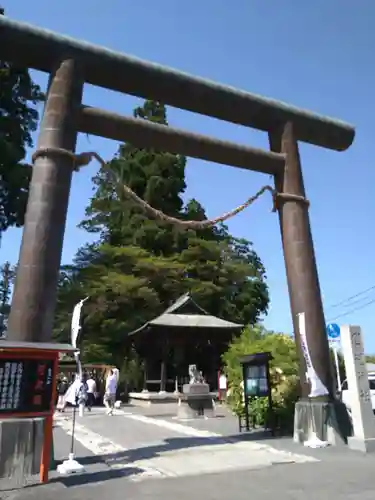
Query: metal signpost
x=333 y=334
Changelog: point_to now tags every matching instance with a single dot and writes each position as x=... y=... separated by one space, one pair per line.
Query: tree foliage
x=139 y=266
x=283 y=371
x=7 y=275
x=254 y=339
x=19 y=96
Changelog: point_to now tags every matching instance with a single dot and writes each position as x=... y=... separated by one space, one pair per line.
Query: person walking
x=62 y=388
x=91 y=391
x=110 y=392
x=82 y=395
x=223 y=387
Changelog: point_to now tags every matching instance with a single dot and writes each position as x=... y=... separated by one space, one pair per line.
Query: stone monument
x=363 y=421
x=195 y=400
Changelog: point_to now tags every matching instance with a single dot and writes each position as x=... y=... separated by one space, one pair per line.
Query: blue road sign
x=333 y=331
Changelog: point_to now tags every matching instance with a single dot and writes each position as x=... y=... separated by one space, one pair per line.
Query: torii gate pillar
x=317 y=416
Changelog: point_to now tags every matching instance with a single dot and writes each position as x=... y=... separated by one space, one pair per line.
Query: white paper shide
x=72 y=466
x=75 y=330
x=317 y=388
x=76 y=317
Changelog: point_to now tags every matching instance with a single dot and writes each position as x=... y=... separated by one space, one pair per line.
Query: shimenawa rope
x=83 y=159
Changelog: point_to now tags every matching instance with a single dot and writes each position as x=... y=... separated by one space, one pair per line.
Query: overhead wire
x=349 y=301
x=363 y=306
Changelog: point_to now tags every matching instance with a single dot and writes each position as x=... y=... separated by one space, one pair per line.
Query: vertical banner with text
x=317 y=388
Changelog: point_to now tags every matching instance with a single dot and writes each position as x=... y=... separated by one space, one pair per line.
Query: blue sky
x=317 y=55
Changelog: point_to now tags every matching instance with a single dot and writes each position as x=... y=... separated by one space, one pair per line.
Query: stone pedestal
x=195 y=389
x=195 y=402
x=328 y=420
x=150 y=398
x=21 y=442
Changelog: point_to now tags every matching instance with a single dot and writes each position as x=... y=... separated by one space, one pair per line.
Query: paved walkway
x=159 y=447
x=143 y=453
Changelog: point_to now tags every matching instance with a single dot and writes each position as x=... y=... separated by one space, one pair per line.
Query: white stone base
x=70 y=466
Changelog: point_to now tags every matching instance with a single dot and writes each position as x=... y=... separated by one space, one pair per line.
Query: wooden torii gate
x=70 y=64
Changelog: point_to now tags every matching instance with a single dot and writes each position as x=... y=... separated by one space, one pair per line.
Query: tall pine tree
x=156 y=177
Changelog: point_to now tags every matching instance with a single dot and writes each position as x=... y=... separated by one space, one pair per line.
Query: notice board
x=26 y=385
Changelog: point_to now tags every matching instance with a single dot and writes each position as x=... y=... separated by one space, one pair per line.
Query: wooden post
x=163 y=375
x=163 y=365
x=145 y=376
x=48 y=429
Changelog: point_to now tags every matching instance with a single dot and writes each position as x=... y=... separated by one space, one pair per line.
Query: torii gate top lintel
x=40 y=49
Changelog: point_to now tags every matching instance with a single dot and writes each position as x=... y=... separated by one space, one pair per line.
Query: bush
x=283 y=371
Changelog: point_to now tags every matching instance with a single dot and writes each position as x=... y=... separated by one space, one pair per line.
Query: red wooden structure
x=28 y=373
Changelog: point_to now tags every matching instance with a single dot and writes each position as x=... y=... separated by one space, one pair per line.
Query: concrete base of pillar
x=329 y=421
x=21 y=442
x=364 y=445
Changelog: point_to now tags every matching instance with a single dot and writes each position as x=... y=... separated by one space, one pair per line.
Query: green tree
x=157 y=177
x=122 y=284
x=226 y=276
x=255 y=339
x=284 y=373
x=7 y=275
x=19 y=97
x=140 y=265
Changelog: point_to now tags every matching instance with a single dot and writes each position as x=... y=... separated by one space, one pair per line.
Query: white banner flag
x=71 y=394
x=75 y=329
x=317 y=387
x=76 y=317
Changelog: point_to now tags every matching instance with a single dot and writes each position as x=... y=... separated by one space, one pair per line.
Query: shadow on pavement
x=87 y=478
x=97 y=477
x=279 y=443
x=170 y=444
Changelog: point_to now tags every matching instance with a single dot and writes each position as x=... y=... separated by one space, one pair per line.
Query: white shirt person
x=91 y=391
x=110 y=392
